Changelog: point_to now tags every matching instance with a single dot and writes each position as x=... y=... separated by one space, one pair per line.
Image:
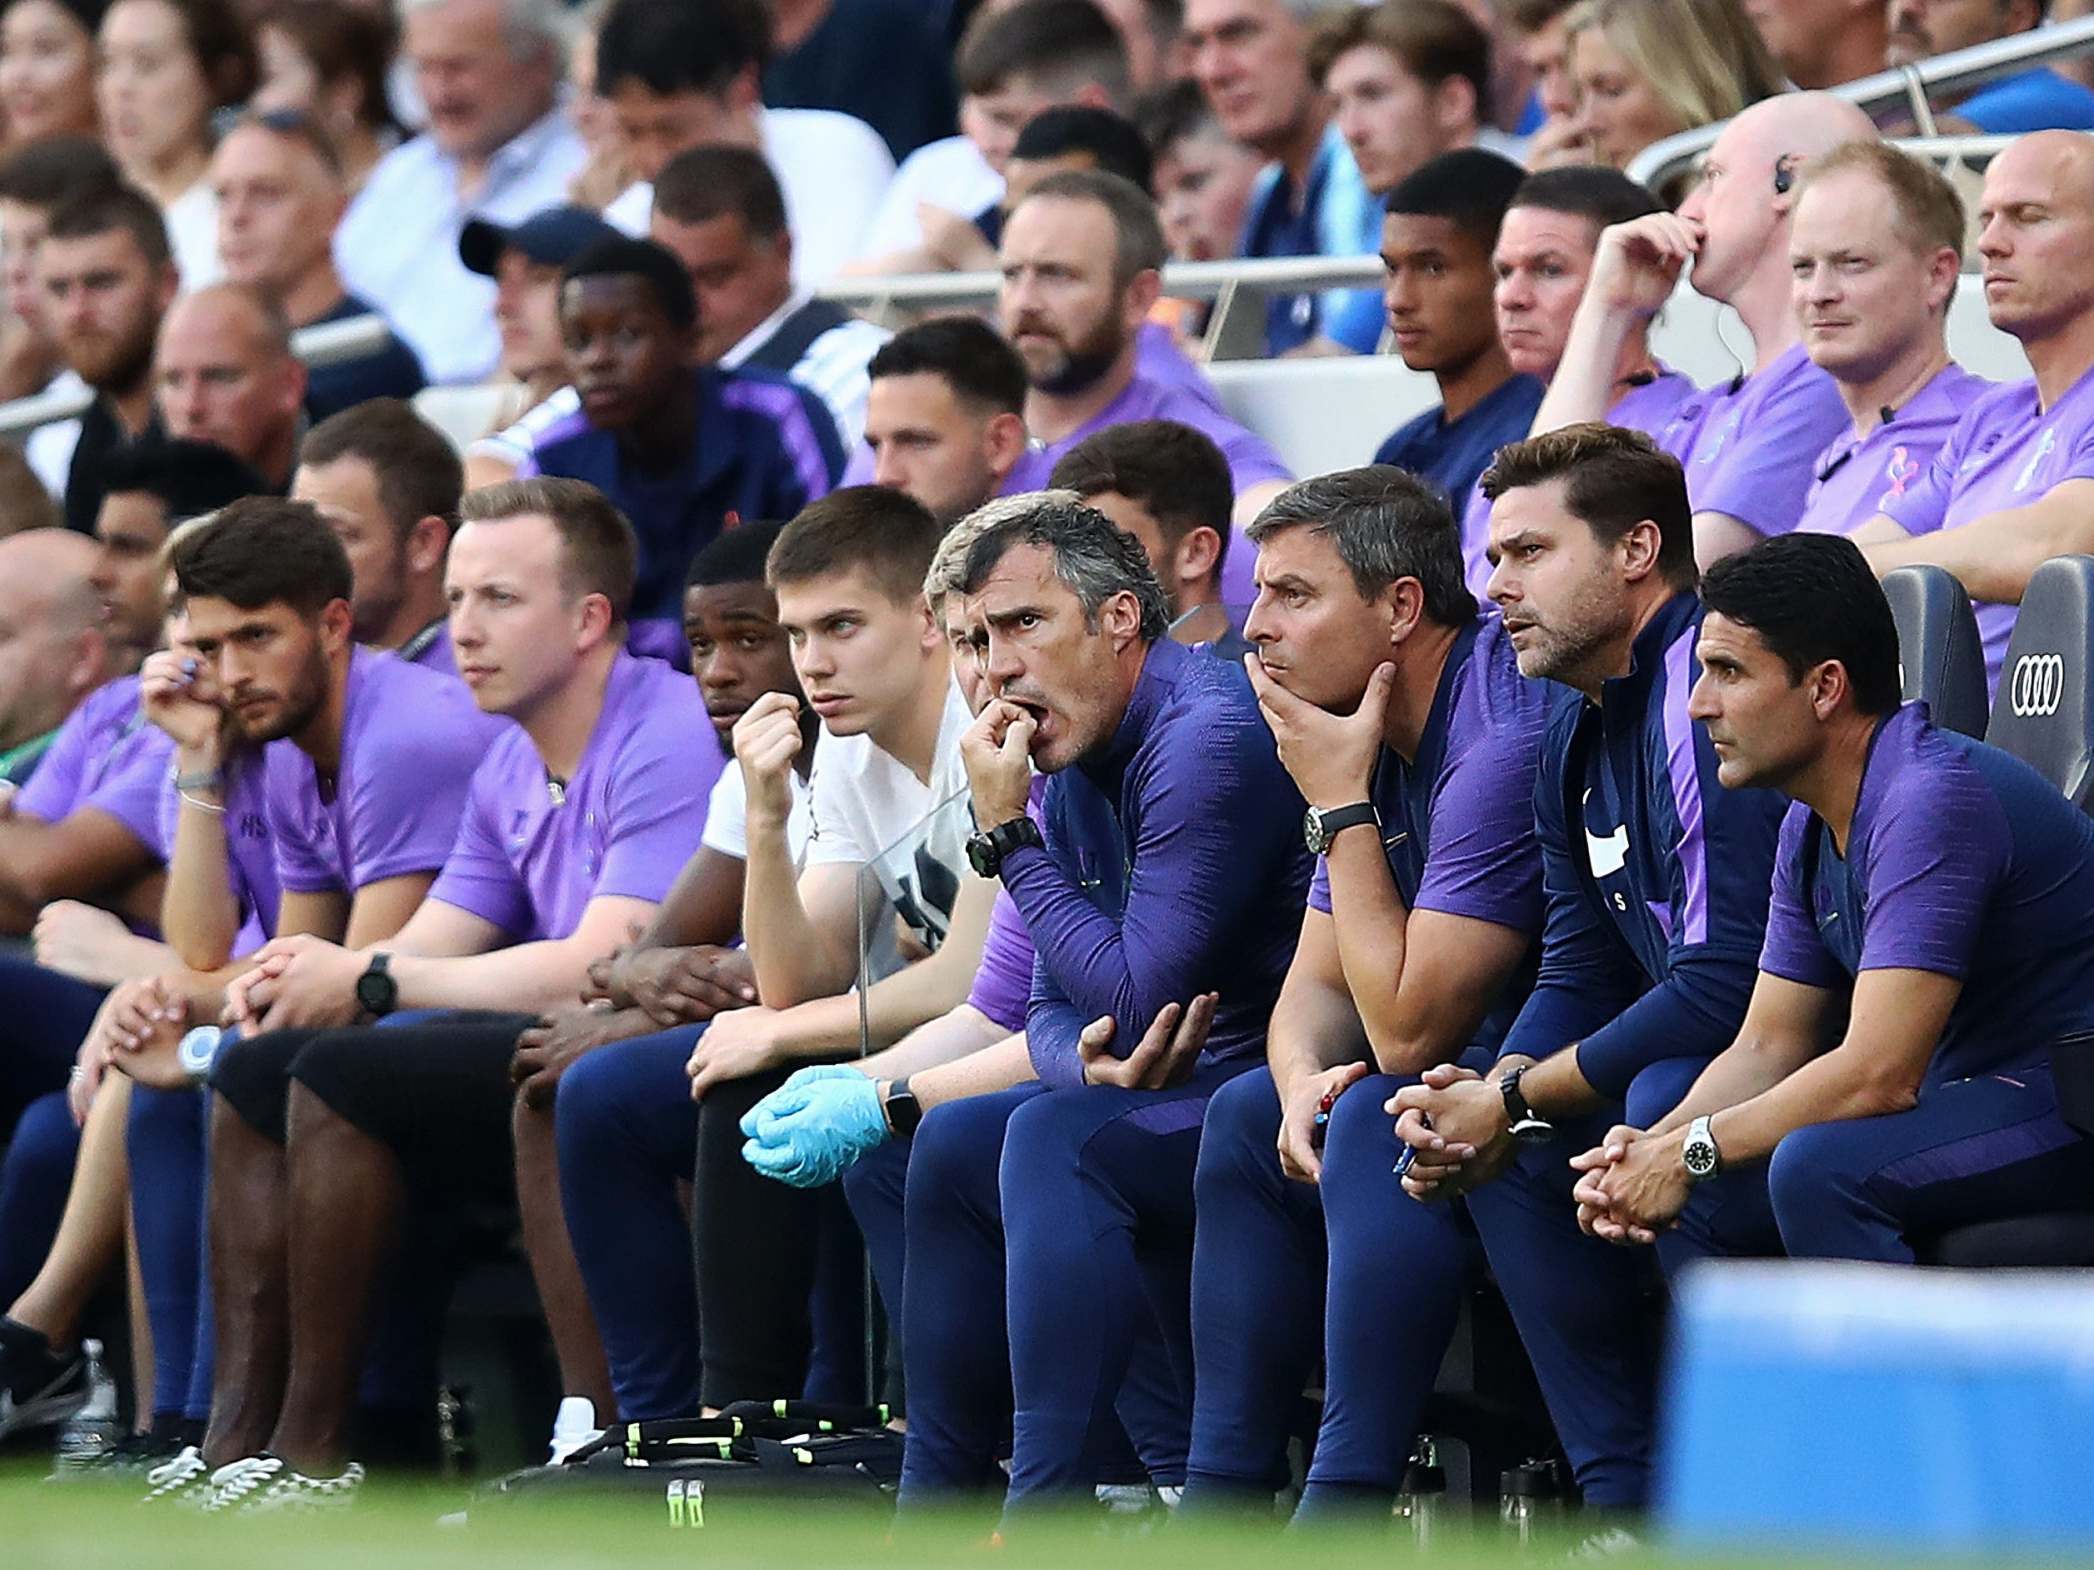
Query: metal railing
x=328 y=344
x=1909 y=85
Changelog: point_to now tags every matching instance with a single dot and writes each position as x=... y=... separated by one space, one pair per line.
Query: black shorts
x=436 y=1092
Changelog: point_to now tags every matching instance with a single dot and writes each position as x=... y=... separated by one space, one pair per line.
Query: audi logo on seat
x=2038 y=685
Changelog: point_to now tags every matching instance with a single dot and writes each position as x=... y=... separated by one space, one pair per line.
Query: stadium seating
x=1941 y=661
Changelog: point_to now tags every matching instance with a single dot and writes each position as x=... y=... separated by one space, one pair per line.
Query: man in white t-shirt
x=682 y=73
x=1013 y=62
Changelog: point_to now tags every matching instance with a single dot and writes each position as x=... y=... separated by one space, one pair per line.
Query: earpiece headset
x=1784 y=174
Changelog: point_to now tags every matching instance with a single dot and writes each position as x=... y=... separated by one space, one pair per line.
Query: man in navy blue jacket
x=682 y=453
x=1656 y=884
x=1157 y=885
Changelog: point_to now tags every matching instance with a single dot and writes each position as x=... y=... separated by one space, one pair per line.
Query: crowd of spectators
x=785 y=789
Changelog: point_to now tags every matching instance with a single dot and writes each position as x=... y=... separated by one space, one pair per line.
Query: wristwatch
x=376 y=991
x=986 y=850
x=1699 y=1154
x=1320 y=828
x=901 y=1109
x=1528 y=1126
x=197 y=1051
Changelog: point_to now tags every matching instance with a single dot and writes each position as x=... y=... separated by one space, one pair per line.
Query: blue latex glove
x=812 y=1127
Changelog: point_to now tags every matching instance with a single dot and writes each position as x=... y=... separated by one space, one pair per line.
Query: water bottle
x=90 y=1433
x=1424 y=1493
x=1530 y=1500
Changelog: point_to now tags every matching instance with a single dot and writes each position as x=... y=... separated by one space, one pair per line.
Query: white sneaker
x=184 y=1480
x=574 y=1426
x=268 y=1485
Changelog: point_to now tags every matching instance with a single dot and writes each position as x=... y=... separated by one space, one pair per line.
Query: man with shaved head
x=2014 y=484
x=52 y=652
x=1747 y=444
x=224 y=373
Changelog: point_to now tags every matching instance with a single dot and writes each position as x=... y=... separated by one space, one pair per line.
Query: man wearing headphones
x=1747 y=444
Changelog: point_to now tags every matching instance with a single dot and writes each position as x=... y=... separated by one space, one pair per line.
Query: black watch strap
x=986 y=850
x=900 y=1106
x=1525 y=1122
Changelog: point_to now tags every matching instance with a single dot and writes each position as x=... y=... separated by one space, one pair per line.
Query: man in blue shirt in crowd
x=2038 y=99
x=1397 y=707
x=1936 y=893
x=1436 y=246
x=1165 y=836
x=681 y=453
x=1655 y=882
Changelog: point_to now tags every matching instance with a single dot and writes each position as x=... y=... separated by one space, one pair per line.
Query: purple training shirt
x=1962 y=861
x=410 y=742
x=1858 y=478
x=1251 y=460
x=1748 y=444
x=249 y=847
x=106 y=757
x=2007 y=451
x=624 y=825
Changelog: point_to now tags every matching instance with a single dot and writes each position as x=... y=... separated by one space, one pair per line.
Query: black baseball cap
x=554 y=236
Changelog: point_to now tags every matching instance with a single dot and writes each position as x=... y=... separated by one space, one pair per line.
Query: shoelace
x=178 y=1476
x=233 y=1483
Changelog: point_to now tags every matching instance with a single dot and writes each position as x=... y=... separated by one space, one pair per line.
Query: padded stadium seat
x=2044 y=711
x=1941 y=660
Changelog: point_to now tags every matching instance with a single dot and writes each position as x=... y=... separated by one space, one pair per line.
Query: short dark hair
x=1385 y=523
x=1063 y=44
x=1812 y=598
x=48 y=171
x=1431 y=39
x=680 y=46
x=1469 y=187
x=650 y=263
x=969 y=355
x=416 y=467
x=99 y=210
x=1092 y=556
x=884 y=533
x=263 y=550
x=734 y=555
x=344 y=42
x=716 y=181
x=1531 y=16
x=1613 y=480
x=599 y=553
x=1113 y=141
x=189 y=478
x=1173 y=472
x=1174 y=113
x=218 y=37
x=1600 y=195
x=1138 y=244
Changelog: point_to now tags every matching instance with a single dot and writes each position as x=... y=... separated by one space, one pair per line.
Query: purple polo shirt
x=1458 y=818
x=1748 y=444
x=431 y=649
x=1961 y=861
x=1251 y=460
x=1648 y=407
x=250 y=849
x=1856 y=479
x=1158 y=358
x=410 y=742
x=1003 y=984
x=106 y=757
x=2007 y=451
x=629 y=818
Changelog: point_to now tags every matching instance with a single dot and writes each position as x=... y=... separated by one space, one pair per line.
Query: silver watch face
x=1699 y=1157
x=1312 y=833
